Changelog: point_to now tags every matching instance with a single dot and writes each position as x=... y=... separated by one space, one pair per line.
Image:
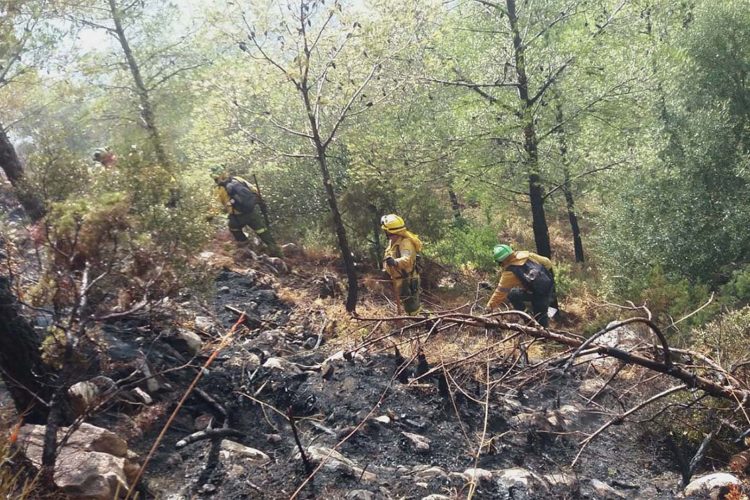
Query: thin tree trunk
x=377 y=249
x=530 y=145
x=346 y=254
x=569 y=202
x=21 y=365
x=573 y=218
x=13 y=169
x=455 y=206
x=320 y=149
x=147 y=108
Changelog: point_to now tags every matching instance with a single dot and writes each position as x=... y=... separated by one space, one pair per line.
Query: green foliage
x=565 y=281
x=466 y=246
x=668 y=298
x=737 y=291
x=726 y=337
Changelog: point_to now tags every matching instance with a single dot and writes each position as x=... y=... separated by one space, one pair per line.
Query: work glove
x=390 y=262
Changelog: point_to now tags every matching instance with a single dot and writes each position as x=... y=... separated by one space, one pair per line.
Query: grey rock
x=335 y=461
x=605 y=491
x=229 y=448
x=420 y=444
x=705 y=485
x=96 y=463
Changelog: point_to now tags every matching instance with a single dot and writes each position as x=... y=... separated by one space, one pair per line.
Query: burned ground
x=358 y=407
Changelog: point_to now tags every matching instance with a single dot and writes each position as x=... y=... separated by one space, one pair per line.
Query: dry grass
x=16 y=481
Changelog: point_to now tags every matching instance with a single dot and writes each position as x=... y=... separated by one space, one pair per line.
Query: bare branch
x=289 y=130
x=345 y=110
x=583 y=174
x=275 y=151
x=610 y=18
x=174 y=73
x=552 y=78
x=620 y=418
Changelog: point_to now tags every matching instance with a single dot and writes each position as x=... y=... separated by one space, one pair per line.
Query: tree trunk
x=569 y=202
x=573 y=218
x=13 y=169
x=21 y=364
x=147 y=108
x=455 y=206
x=530 y=144
x=376 y=230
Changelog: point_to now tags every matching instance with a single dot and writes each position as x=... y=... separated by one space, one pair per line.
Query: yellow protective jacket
x=404 y=252
x=508 y=280
x=223 y=195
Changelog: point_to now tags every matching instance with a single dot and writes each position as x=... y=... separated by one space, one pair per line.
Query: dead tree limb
x=733 y=393
x=621 y=417
x=207 y=434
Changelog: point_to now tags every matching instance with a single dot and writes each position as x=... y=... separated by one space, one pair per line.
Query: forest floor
x=360 y=409
x=371 y=425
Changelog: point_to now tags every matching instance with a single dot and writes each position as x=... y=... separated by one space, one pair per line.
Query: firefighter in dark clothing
x=241 y=201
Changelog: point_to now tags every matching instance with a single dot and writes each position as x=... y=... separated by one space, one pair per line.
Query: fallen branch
x=620 y=418
x=224 y=342
x=207 y=434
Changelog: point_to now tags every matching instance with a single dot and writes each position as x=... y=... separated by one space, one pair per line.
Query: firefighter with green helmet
x=525 y=277
x=241 y=201
x=401 y=262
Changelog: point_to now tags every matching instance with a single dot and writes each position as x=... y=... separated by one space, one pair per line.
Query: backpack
x=534 y=276
x=244 y=198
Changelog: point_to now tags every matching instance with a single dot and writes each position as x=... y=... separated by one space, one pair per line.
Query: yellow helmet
x=392 y=223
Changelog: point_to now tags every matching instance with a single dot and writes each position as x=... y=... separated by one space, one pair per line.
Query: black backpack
x=244 y=198
x=535 y=276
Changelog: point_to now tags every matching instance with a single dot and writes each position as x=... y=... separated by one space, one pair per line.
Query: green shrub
x=737 y=291
x=466 y=245
x=726 y=338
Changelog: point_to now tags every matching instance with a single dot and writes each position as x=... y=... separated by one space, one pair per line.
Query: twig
x=308 y=465
x=207 y=434
x=619 y=418
x=224 y=342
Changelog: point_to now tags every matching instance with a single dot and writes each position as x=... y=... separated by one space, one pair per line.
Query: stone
x=360 y=495
x=334 y=461
x=204 y=324
x=290 y=249
x=517 y=476
x=188 y=341
x=419 y=443
x=208 y=488
x=142 y=396
x=233 y=448
x=437 y=497
x=270 y=338
x=605 y=491
x=90 y=393
x=562 y=481
x=426 y=473
x=282 y=365
x=477 y=474
x=274 y=438
x=92 y=464
x=152 y=382
x=278 y=264
x=383 y=419
x=704 y=485
x=590 y=386
x=202 y=421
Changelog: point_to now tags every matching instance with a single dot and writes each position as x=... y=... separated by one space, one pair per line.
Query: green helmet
x=218 y=171
x=501 y=252
x=100 y=153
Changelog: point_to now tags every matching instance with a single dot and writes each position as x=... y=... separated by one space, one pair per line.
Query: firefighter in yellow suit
x=400 y=262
